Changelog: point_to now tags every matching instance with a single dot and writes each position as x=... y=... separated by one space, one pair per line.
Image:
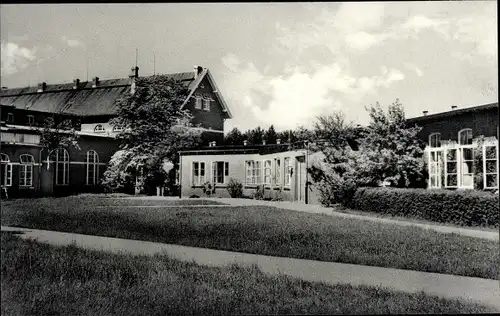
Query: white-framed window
x=117 y=129
x=62 y=167
x=288 y=171
x=10 y=117
x=466 y=167
x=435 y=140
x=26 y=170
x=490 y=165
x=31 y=120
x=277 y=171
x=6 y=170
x=198 y=173
x=267 y=172
x=465 y=136
x=206 y=103
x=451 y=168
x=99 y=129
x=253 y=172
x=220 y=172
x=92 y=167
x=435 y=168
x=197 y=101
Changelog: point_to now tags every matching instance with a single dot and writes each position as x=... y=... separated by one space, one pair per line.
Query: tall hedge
x=461 y=207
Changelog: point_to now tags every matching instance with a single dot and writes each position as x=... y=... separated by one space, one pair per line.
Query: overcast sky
x=275 y=63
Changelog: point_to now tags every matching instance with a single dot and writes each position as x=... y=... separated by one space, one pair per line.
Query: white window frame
x=268 y=172
x=7 y=176
x=225 y=172
x=198 y=179
x=62 y=160
x=253 y=172
x=99 y=129
x=435 y=165
x=117 y=129
x=288 y=171
x=31 y=120
x=446 y=161
x=460 y=132
x=206 y=103
x=485 y=159
x=92 y=170
x=26 y=170
x=277 y=171
x=198 y=102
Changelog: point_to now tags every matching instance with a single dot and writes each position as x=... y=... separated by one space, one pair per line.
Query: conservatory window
x=92 y=167
x=62 y=167
x=451 y=168
x=6 y=173
x=267 y=172
x=435 y=140
x=490 y=166
x=253 y=172
x=465 y=137
x=435 y=166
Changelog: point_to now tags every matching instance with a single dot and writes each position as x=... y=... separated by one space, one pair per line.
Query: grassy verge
x=271 y=231
x=40 y=279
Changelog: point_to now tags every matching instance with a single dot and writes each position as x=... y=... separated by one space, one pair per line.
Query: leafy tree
x=391 y=150
x=270 y=135
x=234 y=137
x=255 y=136
x=154 y=130
x=54 y=134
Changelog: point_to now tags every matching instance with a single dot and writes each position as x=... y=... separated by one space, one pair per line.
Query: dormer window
x=117 y=129
x=31 y=120
x=99 y=129
x=206 y=104
x=10 y=117
x=197 y=101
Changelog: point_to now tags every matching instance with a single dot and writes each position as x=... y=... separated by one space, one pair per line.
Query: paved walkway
x=477 y=289
x=317 y=209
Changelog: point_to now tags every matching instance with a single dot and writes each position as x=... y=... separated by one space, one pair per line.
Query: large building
x=462 y=147
x=26 y=167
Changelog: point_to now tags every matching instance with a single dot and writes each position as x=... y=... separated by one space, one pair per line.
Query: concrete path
x=484 y=291
x=317 y=209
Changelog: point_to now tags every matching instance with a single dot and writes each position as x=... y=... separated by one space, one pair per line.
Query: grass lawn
x=39 y=279
x=267 y=231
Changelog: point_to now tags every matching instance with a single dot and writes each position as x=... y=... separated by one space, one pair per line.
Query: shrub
x=208 y=188
x=259 y=192
x=464 y=208
x=235 y=188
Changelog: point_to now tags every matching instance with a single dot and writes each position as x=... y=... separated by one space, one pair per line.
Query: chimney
x=5 y=88
x=425 y=112
x=214 y=143
x=41 y=87
x=245 y=142
x=278 y=141
x=263 y=142
x=197 y=71
x=95 y=82
x=453 y=107
x=134 y=73
x=76 y=83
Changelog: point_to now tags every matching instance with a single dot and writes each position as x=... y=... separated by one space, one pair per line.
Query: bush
x=208 y=188
x=464 y=208
x=235 y=188
x=259 y=192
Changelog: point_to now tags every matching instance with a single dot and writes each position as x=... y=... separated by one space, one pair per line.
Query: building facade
x=28 y=169
x=281 y=172
x=462 y=147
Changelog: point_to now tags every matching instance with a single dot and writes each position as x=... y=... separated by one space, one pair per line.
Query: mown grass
x=270 y=231
x=39 y=279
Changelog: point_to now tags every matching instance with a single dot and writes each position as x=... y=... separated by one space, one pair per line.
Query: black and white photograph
x=253 y=158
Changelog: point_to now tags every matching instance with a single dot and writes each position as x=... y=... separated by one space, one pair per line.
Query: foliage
x=478 y=164
x=208 y=188
x=58 y=134
x=234 y=137
x=154 y=129
x=465 y=208
x=270 y=135
x=278 y=197
x=391 y=150
x=259 y=192
x=235 y=188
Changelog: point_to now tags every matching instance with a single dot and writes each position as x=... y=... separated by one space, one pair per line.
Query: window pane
x=491 y=180
x=451 y=167
x=452 y=180
x=491 y=166
x=468 y=153
x=451 y=154
x=467 y=180
x=226 y=169
x=491 y=152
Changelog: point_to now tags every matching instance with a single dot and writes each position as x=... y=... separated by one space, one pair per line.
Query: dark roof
x=84 y=101
x=241 y=149
x=452 y=113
